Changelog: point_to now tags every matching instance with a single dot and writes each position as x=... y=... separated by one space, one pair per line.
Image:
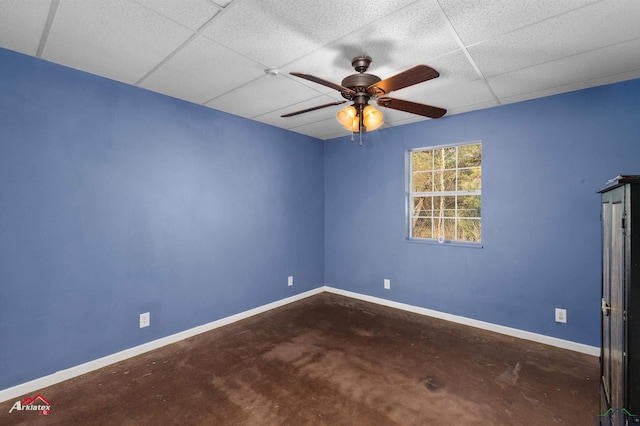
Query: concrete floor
x=331 y=360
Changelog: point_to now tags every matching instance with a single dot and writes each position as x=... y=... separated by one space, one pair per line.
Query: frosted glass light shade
x=372 y=118
x=347 y=116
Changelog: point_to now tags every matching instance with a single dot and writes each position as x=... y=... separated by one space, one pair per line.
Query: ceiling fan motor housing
x=359 y=83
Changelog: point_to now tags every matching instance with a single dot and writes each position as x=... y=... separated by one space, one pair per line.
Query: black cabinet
x=620 y=353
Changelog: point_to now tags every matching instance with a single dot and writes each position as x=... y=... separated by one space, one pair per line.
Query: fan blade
x=412 y=76
x=302 y=111
x=412 y=107
x=318 y=80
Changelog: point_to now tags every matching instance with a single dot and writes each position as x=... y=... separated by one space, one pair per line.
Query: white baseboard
x=78 y=370
x=513 y=332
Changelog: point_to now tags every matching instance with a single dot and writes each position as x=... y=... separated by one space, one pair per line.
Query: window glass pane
x=422 y=206
x=422 y=228
x=469 y=230
x=422 y=160
x=469 y=206
x=444 y=180
x=444 y=158
x=445 y=228
x=422 y=182
x=469 y=179
x=450 y=158
x=444 y=206
x=469 y=155
x=452 y=178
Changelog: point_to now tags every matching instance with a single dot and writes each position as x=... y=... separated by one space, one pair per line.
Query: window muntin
x=445 y=193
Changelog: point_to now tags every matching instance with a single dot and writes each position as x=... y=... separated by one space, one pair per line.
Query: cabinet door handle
x=605 y=308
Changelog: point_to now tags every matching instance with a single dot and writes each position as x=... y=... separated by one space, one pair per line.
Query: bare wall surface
x=115 y=201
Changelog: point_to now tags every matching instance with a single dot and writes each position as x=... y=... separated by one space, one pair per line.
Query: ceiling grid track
x=47 y=27
x=183 y=45
x=464 y=50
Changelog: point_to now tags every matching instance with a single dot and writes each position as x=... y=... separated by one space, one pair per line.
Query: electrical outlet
x=387 y=284
x=561 y=315
x=290 y=280
x=145 y=320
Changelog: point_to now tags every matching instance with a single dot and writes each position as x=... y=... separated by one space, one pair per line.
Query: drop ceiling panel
x=190 y=13
x=475 y=21
x=465 y=94
x=588 y=28
x=322 y=129
x=201 y=71
x=264 y=94
x=117 y=39
x=274 y=118
x=275 y=32
x=454 y=68
x=22 y=23
x=574 y=71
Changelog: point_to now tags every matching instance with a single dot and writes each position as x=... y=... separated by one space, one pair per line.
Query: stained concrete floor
x=331 y=360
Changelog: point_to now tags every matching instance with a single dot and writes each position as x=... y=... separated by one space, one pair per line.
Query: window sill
x=445 y=243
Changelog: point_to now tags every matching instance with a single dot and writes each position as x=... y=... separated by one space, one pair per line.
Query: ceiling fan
x=362 y=87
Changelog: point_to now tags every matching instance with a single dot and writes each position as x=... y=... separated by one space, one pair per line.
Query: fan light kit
x=360 y=88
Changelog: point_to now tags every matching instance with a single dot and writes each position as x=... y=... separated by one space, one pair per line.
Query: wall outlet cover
x=145 y=320
x=561 y=315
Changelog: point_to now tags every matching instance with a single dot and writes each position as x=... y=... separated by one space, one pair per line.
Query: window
x=445 y=193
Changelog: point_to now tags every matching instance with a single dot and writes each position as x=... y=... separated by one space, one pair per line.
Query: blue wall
x=543 y=161
x=116 y=201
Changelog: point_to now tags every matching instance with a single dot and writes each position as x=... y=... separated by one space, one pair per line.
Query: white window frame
x=411 y=195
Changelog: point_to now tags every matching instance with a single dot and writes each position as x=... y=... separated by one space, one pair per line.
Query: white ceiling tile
x=202 y=70
x=475 y=21
x=275 y=32
x=454 y=68
x=221 y=3
x=579 y=31
x=118 y=39
x=413 y=35
x=190 y=13
x=322 y=129
x=267 y=93
x=22 y=23
x=462 y=95
x=274 y=117
x=610 y=61
x=571 y=87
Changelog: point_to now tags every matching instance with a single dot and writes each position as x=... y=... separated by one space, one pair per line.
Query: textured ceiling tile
x=190 y=13
x=569 y=34
x=475 y=21
x=275 y=32
x=22 y=23
x=118 y=39
x=274 y=117
x=454 y=68
x=413 y=35
x=267 y=93
x=322 y=129
x=464 y=94
x=579 y=71
x=201 y=71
